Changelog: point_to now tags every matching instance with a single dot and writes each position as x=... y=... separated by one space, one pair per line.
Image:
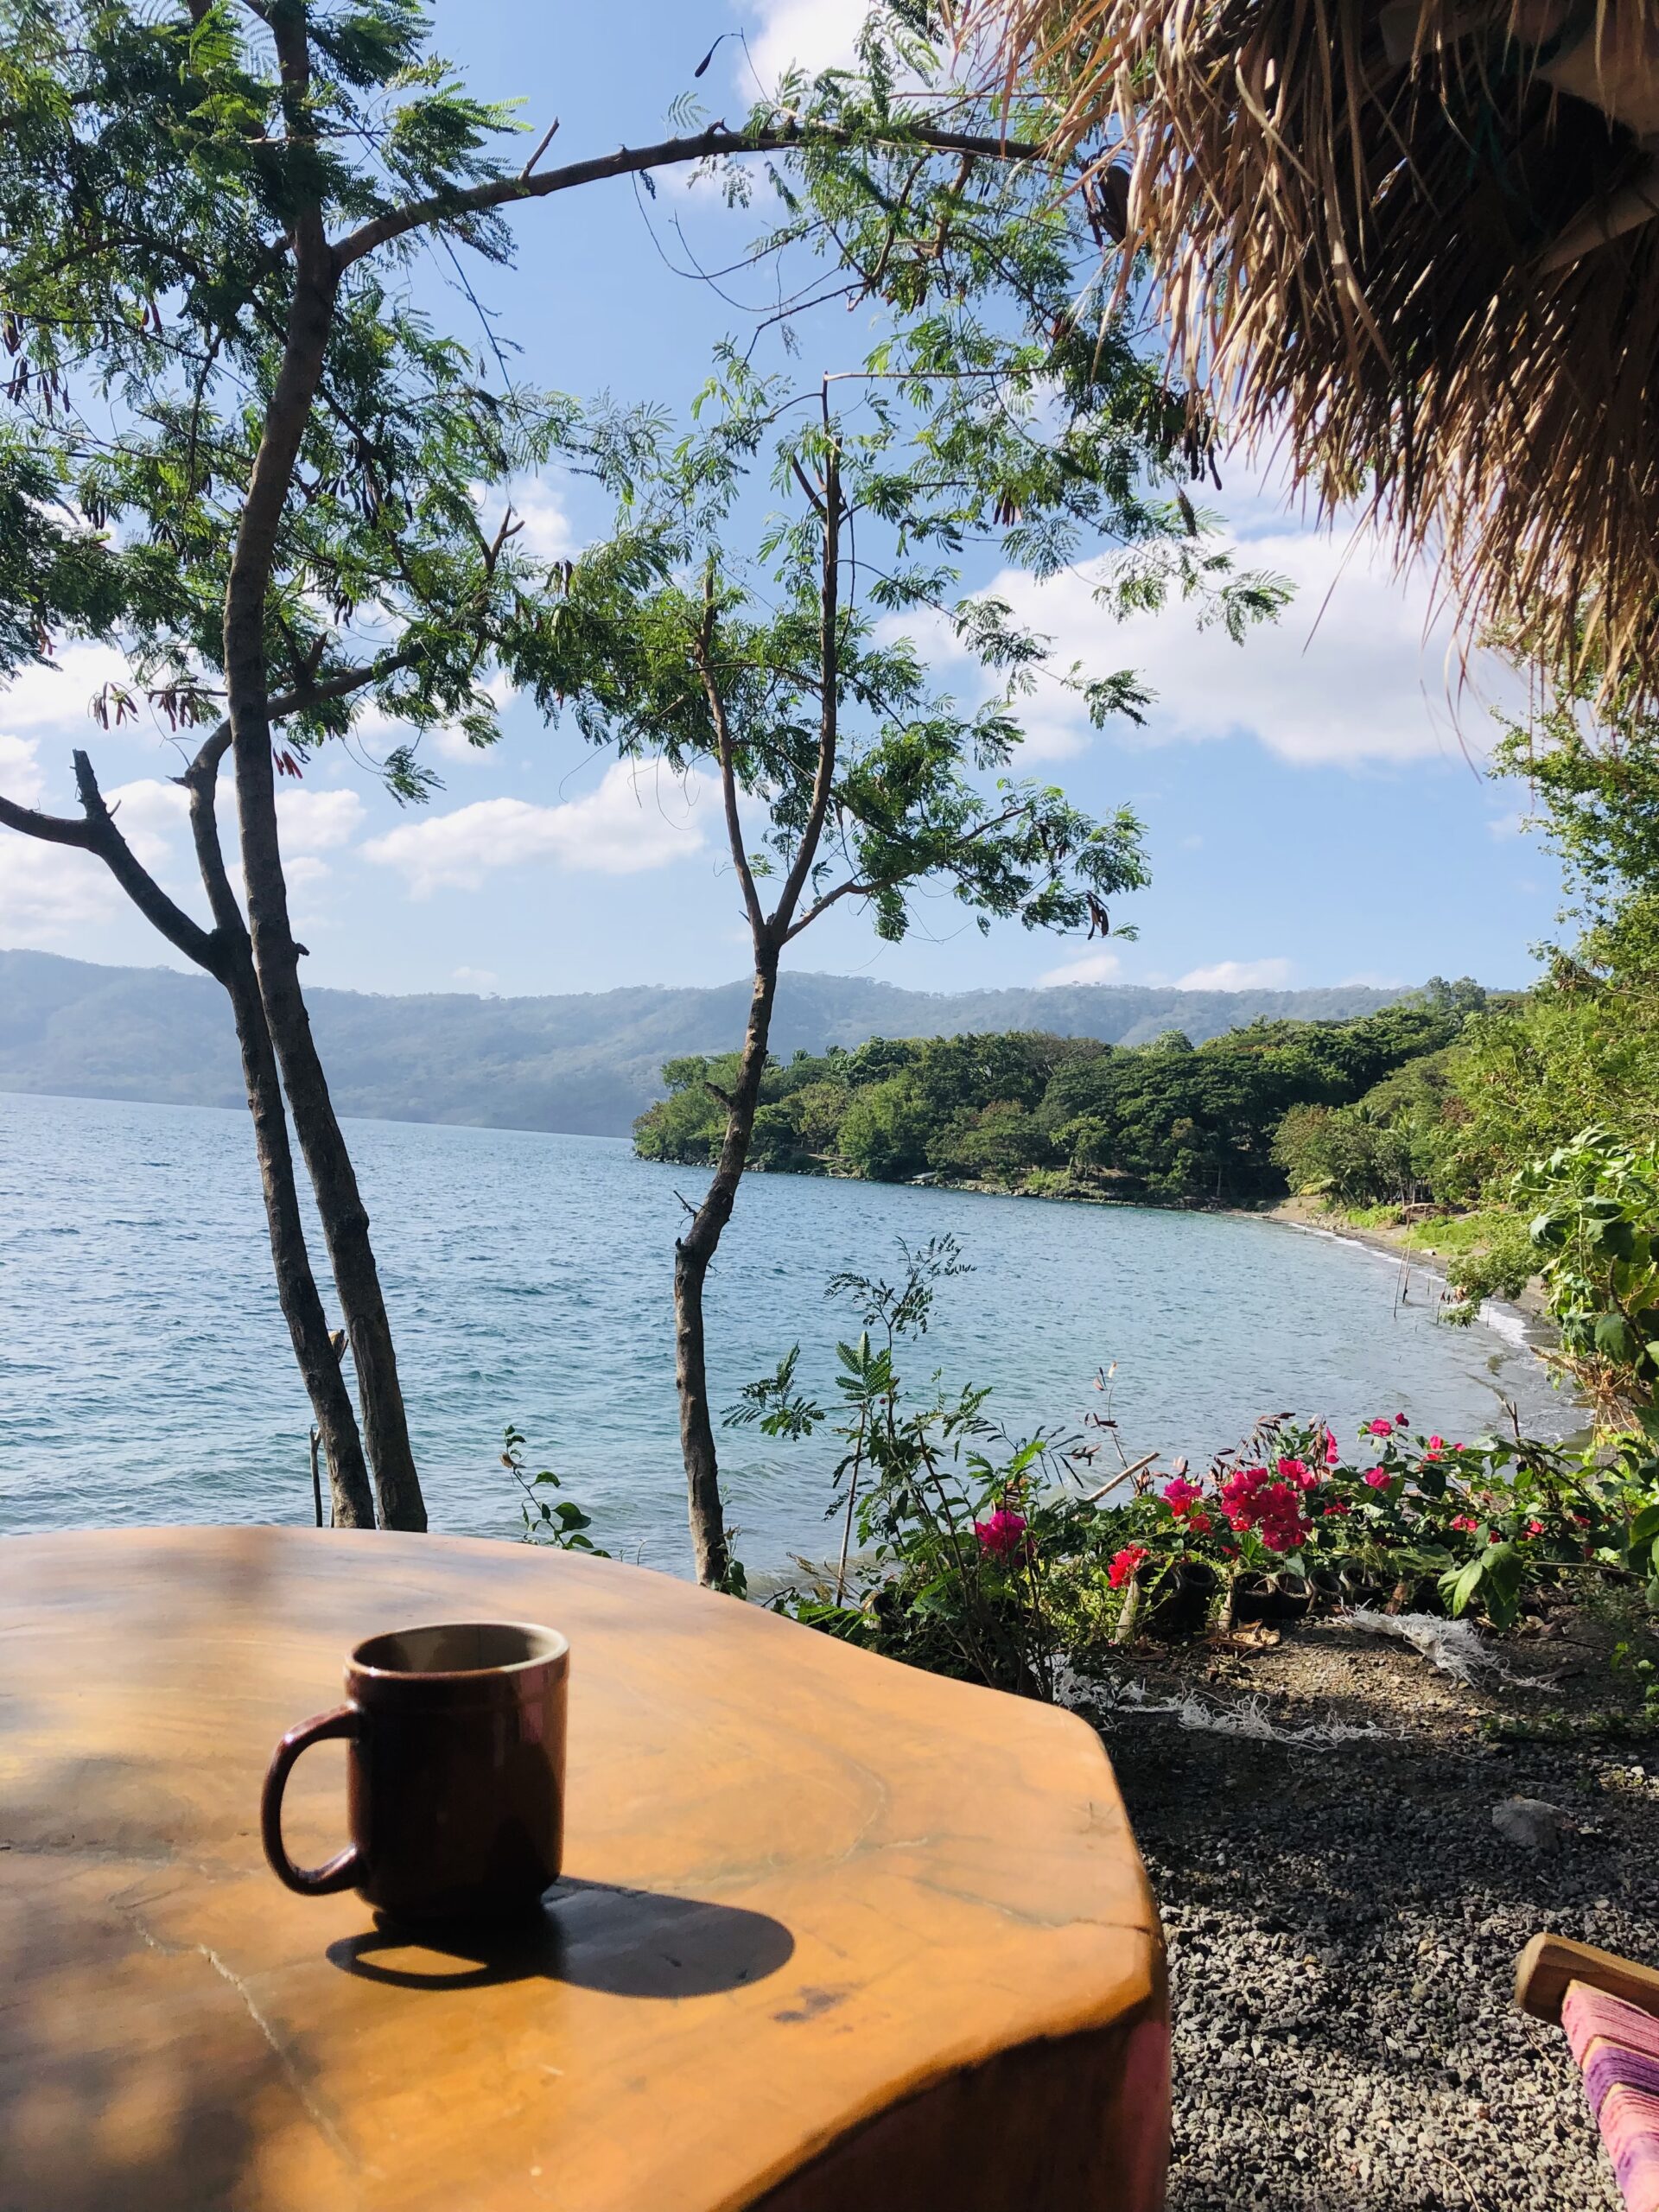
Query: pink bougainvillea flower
x=1274 y=1509
x=1375 y=1478
x=1535 y=1528
x=1399 y=1422
x=1464 y=1520
x=1180 y=1495
x=1436 y=1445
x=1126 y=1563
x=1003 y=1534
x=1332 y=1454
x=1378 y=1429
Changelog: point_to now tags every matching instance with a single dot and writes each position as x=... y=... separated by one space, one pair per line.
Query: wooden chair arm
x=1549 y=1962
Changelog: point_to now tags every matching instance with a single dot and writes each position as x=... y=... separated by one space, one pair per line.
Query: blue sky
x=1316 y=808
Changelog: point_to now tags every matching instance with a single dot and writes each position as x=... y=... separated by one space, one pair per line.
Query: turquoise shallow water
x=145 y=1374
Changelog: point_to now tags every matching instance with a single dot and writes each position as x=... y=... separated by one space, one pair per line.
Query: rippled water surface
x=145 y=1373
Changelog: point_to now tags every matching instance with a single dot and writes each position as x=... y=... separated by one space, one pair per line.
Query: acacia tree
x=202 y=205
x=845 y=774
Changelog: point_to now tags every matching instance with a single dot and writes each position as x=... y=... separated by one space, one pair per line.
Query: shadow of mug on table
x=455 y=1739
x=590 y=1935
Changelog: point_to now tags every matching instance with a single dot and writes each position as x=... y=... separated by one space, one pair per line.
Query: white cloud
x=810 y=35
x=548 y=532
x=317 y=821
x=1088 y=968
x=476 y=979
x=48 y=893
x=21 y=779
x=636 y=819
x=1237 y=975
x=303 y=870
x=1513 y=825
x=57 y=697
x=149 y=812
x=1356 y=669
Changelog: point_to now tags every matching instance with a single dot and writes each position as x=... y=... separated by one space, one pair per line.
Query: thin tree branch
x=852 y=888
x=50 y=829
x=727 y=761
x=630 y=161
x=829 y=697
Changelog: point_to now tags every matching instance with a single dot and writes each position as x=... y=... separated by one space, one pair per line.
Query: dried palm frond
x=1414 y=240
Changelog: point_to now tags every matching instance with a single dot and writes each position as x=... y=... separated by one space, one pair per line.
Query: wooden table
x=837 y=1937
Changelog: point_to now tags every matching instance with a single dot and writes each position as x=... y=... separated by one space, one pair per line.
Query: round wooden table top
x=832 y=1931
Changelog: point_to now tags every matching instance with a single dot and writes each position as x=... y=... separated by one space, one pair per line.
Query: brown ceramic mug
x=455 y=1773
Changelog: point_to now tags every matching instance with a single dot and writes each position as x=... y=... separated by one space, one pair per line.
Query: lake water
x=145 y=1372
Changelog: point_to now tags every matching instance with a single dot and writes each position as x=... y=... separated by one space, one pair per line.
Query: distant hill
x=588 y=1063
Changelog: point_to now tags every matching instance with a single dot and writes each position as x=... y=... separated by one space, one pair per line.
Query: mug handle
x=346 y=1866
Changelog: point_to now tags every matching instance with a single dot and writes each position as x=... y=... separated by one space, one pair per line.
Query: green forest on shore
x=1165 y=1121
x=1441 y=1114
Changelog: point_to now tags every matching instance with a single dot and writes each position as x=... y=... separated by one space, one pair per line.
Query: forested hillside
x=585 y=1062
x=1167 y=1120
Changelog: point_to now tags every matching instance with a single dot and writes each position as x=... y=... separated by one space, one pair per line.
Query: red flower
x=1436 y=1445
x=1464 y=1520
x=1179 y=1494
x=1337 y=1505
x=1126 y=1563
x=1274 y=1509
x=1332 y=1454
x=1199 y=1523
x=1399 y=1422
x=1535 y=1528
x=1378 y=1429
x=1003 y=1534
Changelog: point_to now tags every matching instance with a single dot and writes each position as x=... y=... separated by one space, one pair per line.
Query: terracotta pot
x=1324 y=1588
x=1250 y=1600
x=1184 y=1598
x=1288 y=1598
x=1361 y=1587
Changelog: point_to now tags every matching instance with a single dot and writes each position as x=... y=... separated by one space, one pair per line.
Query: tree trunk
x=276 y=955
x=296 y=1285
x=692 y=1254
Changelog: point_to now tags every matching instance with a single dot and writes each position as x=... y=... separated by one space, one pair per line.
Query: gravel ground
x=1343 y=1924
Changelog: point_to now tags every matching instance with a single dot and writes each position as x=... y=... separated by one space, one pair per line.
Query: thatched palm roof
x=1417 y=239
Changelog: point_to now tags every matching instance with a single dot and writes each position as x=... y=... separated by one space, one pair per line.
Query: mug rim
x=559 y=1644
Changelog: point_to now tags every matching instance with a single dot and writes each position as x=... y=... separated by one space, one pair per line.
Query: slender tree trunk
x=768 y=935
x=692 y=1254
x=296 y=1285
x=276 y=954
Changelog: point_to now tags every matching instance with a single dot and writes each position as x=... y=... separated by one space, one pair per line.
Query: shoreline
x=1524 y=1322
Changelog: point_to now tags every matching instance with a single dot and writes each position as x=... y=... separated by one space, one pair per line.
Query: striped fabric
x=1629 y=2122
x=1617 y=2046
x=1587 y=2013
